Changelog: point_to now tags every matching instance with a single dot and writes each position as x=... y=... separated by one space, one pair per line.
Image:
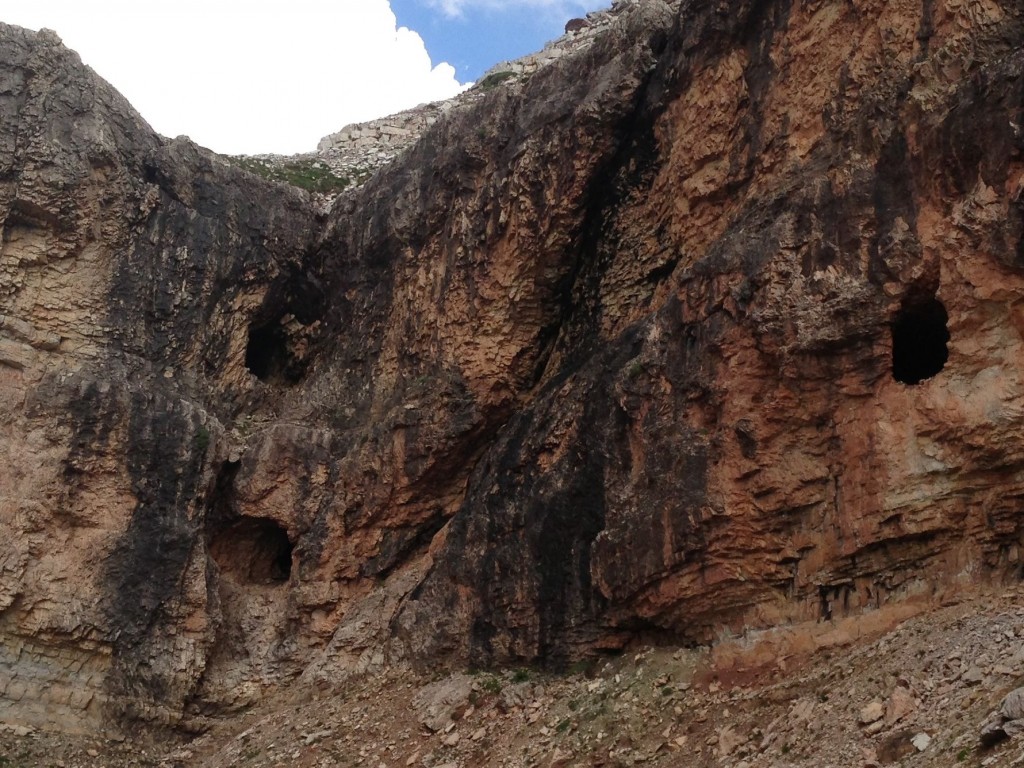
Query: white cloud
x=253 y=76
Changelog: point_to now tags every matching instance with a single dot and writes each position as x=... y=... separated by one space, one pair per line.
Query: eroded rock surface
x=711 y=326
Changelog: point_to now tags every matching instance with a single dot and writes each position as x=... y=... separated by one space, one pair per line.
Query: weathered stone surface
x=1013 y=728
x=973 y=675
x=729 y=445
x=871 y=712
x=1006 y=722
x=901 y=704
x=1012 y=707
x=128 y=268
x=440 y=702
x=708 y=326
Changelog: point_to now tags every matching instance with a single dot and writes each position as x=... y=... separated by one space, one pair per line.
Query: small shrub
x=201 y=441
x=520 y=676
x=495 y=79
x=491 y=685
x=580 y=667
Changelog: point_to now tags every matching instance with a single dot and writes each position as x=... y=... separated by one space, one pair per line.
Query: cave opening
x=267 y=355
x=281 y=332
x=920 y=338
x=253 y=550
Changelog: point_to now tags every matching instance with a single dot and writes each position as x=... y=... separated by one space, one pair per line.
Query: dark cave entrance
x=267 y=355
x=253 y=550
x=278 y=348
x=920 y=339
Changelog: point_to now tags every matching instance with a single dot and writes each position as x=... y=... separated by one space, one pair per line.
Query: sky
x=255 y=76
x=474 y=35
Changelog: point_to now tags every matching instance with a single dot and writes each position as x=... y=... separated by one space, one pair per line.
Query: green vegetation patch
x=311 y=175
x=491 y=685
x=201 y=440
x=495 y=79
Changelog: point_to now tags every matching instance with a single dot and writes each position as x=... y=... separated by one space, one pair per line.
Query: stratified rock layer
x=711 y=326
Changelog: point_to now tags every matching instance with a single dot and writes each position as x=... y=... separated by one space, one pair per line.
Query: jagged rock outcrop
x=712 y=326
x=357 y=151
x=365 y=147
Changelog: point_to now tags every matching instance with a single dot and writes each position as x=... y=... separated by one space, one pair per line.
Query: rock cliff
x=354 y=153
x=712 y=326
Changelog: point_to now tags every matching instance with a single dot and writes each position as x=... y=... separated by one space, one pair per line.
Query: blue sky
x=474 y=35
x=269 y=76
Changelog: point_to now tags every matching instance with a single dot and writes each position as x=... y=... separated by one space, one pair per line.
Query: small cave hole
x=919 y=341
x=268 y=357
x=253 y=551
x=279 y=336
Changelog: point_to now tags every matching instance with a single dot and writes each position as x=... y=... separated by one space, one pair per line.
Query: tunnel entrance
x=253 y=550
x=920 y=339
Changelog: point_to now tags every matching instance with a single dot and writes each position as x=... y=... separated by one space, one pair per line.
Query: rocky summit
x=699 y=337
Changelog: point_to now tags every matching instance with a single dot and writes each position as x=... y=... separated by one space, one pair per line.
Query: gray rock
x=1005 y=723
x=513 y=696
x=1013 y=728
x=1012 y=707
x=921 y=741
x=1018 y=658
x=438 y=702
x=973 y=676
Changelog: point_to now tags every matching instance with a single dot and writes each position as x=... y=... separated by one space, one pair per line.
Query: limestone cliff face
x=131 y=268
x=711 y=326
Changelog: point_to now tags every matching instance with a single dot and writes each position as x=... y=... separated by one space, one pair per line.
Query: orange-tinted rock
x=711 y=326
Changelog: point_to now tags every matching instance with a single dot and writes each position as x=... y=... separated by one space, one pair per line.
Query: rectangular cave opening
x=920 y=338
x=253 y=550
